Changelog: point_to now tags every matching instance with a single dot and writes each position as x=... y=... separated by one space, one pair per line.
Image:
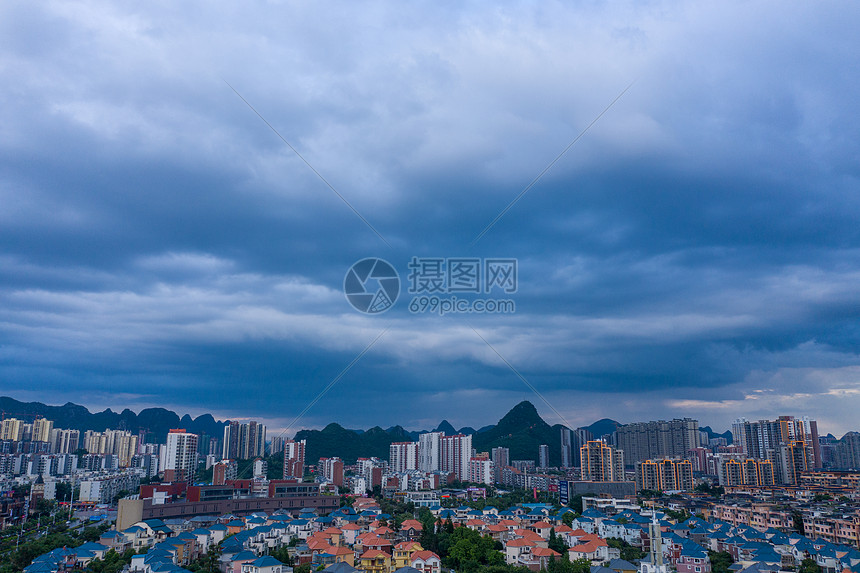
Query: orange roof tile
x=542 y=525
x=424 y=555
x=338 y=551
x=545 y=552
x=519 y=543
x=589 y=547
x=383 y=531
x=374 y=554
x=528 y=534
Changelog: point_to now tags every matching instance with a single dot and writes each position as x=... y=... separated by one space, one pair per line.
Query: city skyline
x=694 y=253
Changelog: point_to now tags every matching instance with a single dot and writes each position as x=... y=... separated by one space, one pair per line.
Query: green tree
x=678 y=516
x=809 y=565
x=568 y=518
x=720 y=561
x=797 y=521
x=565 y=565
x=556 y=543
x=628 y=552
x=471 y=552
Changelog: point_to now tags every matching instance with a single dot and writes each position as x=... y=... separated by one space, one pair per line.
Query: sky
x=183 y=188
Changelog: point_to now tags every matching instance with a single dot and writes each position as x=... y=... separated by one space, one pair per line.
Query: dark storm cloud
x=696 y=253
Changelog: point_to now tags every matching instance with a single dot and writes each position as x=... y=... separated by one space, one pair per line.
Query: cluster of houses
x=362 y=538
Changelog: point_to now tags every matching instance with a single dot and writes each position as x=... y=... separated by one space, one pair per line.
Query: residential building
x=224 y=471
x=42 y=429
x=403 y=456
x=11 y=429
x=601 y=462
x=653 y=440
x=665 y=475
x=566 y=448
x=294 y=458
x=455 y=454
x=543 y=456
x=64 y=441
x=180 y=462
x=244 y=441
x=331 y=469
x=430 y=452
x=481 y=470
x=501 y=459
x=760 y=439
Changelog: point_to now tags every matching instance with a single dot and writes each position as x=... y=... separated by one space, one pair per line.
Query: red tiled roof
x=338 y=551
x=545 y=552
x=589 y=547
x=424 y=556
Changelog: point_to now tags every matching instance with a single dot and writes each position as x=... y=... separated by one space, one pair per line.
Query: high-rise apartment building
x=11 y=429
x=294 y=458
x=332 y=470
x=180 y=462
x=277 y=445
x=501 y=459
x=794 y=459
x=403 y=456
x=481 y=470
x=42 y=429
x=763 y=439
x=64 y=441
x=543 y=456
x=430 y=452
x=601 y=462
x=456 y=451
x=664 y=475
x=566 y=448
x=652 y=440
x=734 y=471
x=846 y=452
x=244 y=441
x=224 y=471
x=121 y=443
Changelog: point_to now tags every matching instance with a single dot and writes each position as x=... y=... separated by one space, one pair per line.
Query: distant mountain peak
x=523 y=414
x=446 y=428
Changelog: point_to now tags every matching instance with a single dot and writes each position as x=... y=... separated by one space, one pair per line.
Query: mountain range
x=154 y=421
x=522 y=430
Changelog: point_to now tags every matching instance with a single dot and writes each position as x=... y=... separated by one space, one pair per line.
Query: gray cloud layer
x=696 y=253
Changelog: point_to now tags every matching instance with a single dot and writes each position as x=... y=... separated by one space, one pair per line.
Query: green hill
x=522 y=430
